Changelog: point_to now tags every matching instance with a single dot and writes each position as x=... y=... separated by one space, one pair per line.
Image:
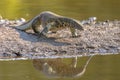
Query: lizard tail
x=27 y=24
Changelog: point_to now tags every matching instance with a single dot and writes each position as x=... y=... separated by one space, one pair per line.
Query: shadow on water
x=101 y=67
x=61 y=67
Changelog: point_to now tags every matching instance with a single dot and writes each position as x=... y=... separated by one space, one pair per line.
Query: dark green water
x=99 y=68
x=79 y=9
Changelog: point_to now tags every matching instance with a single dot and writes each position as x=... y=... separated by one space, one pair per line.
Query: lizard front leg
x=36 y=25
x=45 y=30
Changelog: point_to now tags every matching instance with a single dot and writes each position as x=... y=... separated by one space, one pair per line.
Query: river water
x=98 y=68
x=79 y=9
x=105 y=67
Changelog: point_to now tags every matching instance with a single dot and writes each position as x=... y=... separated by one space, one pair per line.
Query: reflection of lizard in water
x=51 y=22
x=58 y=67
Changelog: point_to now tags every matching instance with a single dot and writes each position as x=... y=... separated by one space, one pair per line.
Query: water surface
x=79 y=9
x=99 y=68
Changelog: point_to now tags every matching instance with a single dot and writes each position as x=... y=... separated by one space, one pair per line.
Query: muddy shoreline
x=97 y=38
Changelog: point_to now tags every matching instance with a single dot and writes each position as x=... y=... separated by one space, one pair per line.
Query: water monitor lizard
x=51 y=22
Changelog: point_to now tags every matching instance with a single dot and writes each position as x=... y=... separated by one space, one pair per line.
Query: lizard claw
x=76 y=36
x=42 y=35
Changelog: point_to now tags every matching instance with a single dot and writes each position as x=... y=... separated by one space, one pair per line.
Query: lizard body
x=51 y=22
x=55 y=24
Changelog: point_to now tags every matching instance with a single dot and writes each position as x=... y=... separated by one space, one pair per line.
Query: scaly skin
x=55 y=24
x=40 y=19
x=51 y=22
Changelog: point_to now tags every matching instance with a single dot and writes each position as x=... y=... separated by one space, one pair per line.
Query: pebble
x=9 y=22
x=91 y=20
